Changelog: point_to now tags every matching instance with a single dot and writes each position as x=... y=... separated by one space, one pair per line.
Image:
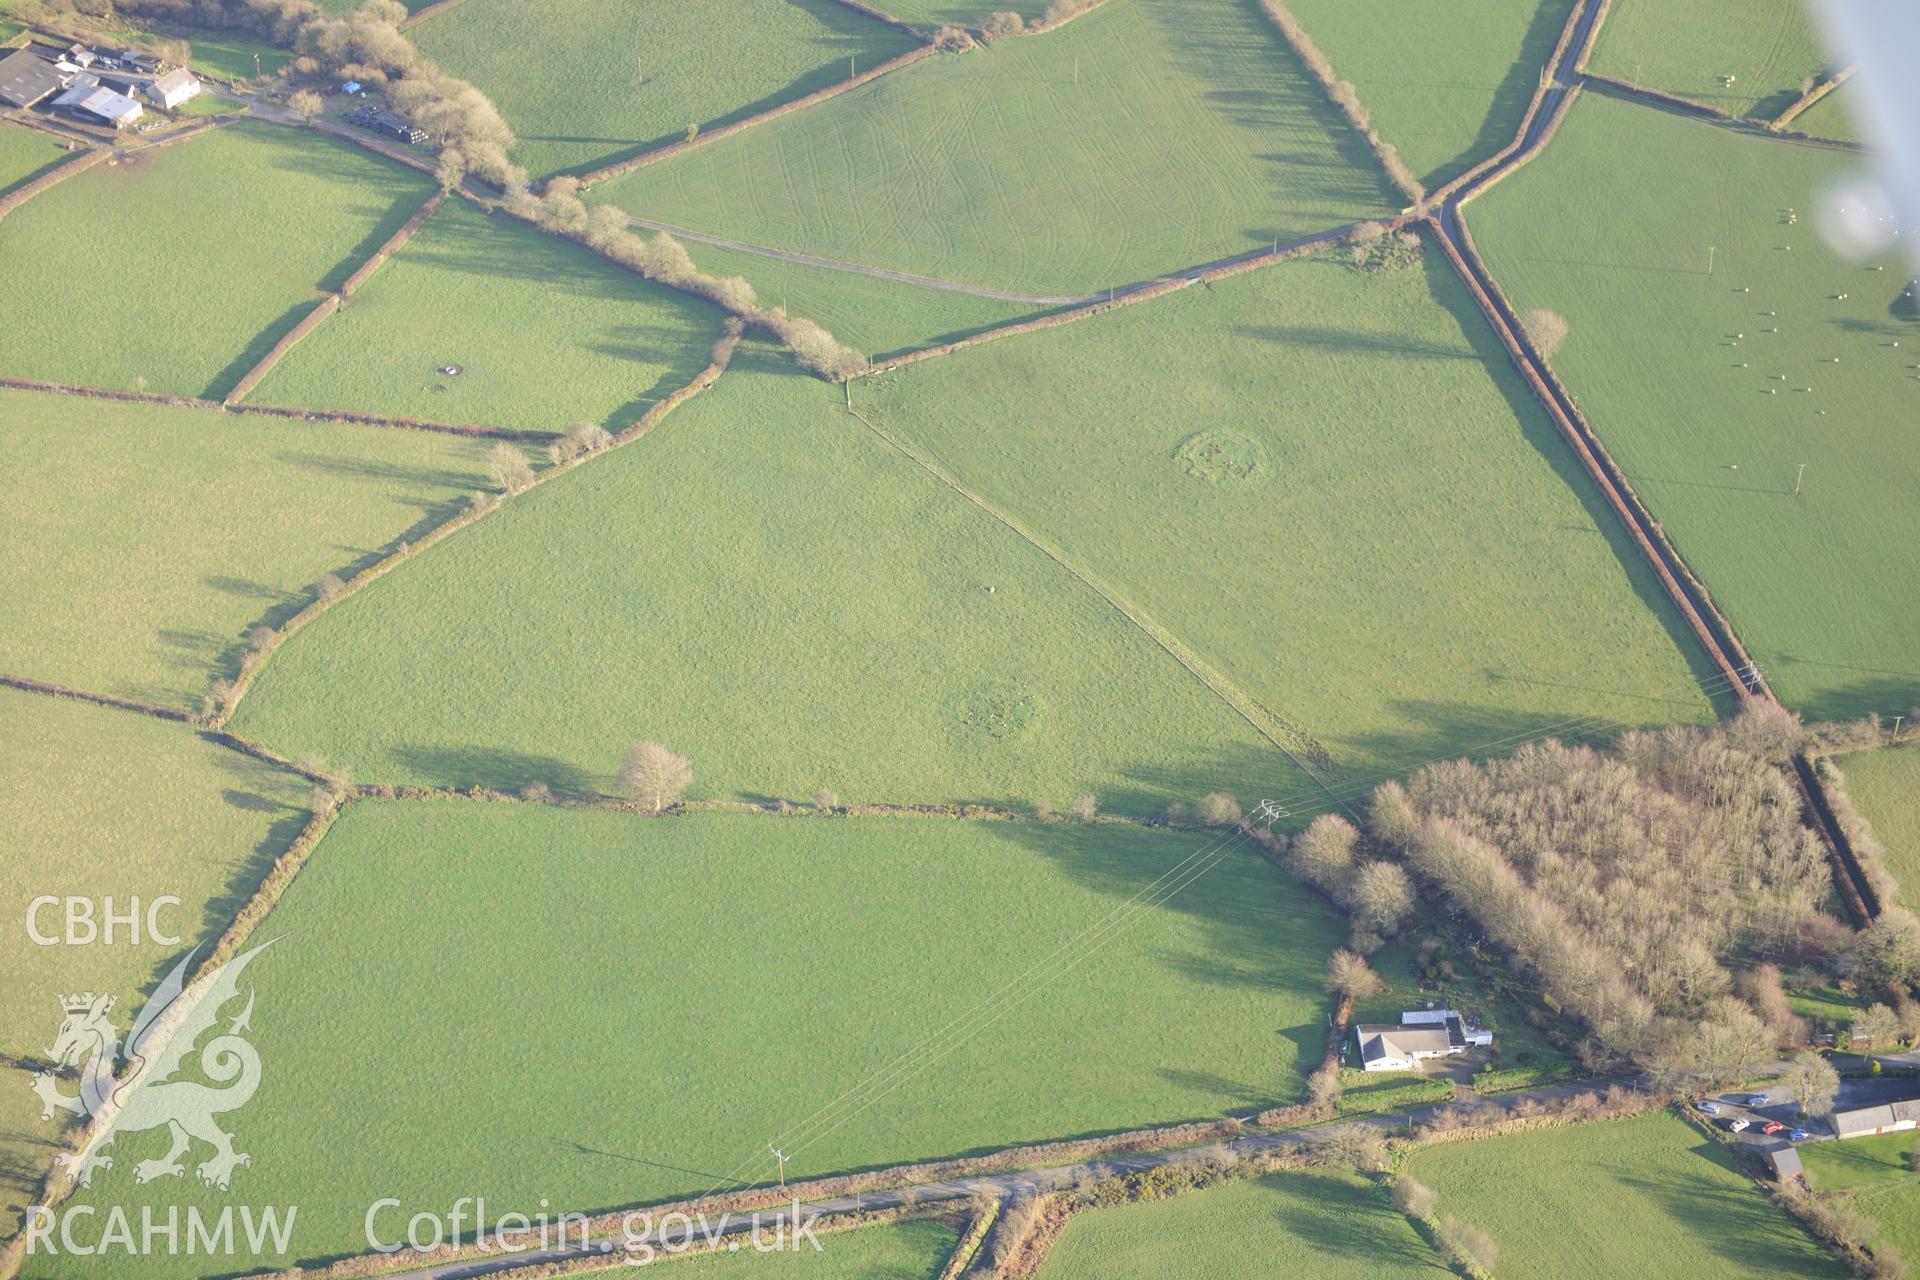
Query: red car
x=1772 y=1126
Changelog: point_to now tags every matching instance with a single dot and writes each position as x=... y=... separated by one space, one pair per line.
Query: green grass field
x=584 y=85
x=200 y=255
x=150 y=539
x=598 y=1009
x=912 y=1250
x=100 y=803
x=1709 y=413
x=25 y=154
x=876 y=317
x=1330 y=486
x=774 y=592
x=1873 y=1173
x=964 y=13
x=1648 y=1197
x=1144 y=137
x=1885 y=786
x=1318 y=1225
x=1767 y=46
x=1830 y=118
x=485 y=293
x=1446 y=94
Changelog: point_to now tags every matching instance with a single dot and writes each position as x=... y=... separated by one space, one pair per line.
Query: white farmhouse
x=173 y=89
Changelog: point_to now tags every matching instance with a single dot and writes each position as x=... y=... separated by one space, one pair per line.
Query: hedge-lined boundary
x=311 y=321
x=332 y=302
x=1010 y=1159
x=1519 y=158
x=1041 y=26
x=256 y=659
x=28 y=684
x=1660 y=97
x=1683 y=587
x=1138 y=293
x=304 y=413
x=880 y=15
x=1811 y=96
x=394 y=243
x=1505 y=154
x=58 y=174
x=1639 y=523
x=672 y=149
x=57 y=1186
x=1341 y=94
x=419 y=16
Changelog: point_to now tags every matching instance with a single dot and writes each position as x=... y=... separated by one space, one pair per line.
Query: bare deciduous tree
x=1382 y=896
x=1349 y=974
x=655 y=776
x=328 y=587
x=826 y=800
x=1003 y=24
x=508 y=467
x=1547 y=330
x=578 y=440
x=1814 y=1082
x=306 y=104
x=1415 y=1198
x=1876 y=1024
x=1085 y=806
x=1218 y=809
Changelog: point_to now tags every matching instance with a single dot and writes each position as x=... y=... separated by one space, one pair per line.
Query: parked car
x=1772 y=1127
x=1758 y=1099
x=1709 y=1108
x=1798 y=1135
x=1738 y=1124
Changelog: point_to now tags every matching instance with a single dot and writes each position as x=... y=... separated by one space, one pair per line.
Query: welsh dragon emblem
x=144 y=1094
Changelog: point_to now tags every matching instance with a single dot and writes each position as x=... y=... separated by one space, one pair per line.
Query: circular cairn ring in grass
x=1002 y=710
x=1217 y=456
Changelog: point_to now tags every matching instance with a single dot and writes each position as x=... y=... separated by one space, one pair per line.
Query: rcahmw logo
x=143 y=1087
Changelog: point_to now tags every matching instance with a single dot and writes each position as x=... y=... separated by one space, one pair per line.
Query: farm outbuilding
x=1784 y=1161
x=27 y=79
x=98 y=104
x=1887 y=1117
x=173 y=89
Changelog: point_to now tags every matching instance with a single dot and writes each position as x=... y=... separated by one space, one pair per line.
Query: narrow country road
x=999 y=1185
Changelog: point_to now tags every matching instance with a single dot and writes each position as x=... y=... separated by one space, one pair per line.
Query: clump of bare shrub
x=1002 y=24
x=655 y=776
x=952 y=39
x=579 y=440
x=1546 y=330
x=1377 y=893
x=508 y=468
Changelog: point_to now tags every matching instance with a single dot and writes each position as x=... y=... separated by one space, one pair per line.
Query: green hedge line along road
x=542 y=331
x=585 y=85
x=1329 y=485
x=102 y=803
x=1711 y=388
x=1138 y=139
x=151 y=538
x=775 y=593
x=1687 y=49
x=202 y=255
x=697 y=986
